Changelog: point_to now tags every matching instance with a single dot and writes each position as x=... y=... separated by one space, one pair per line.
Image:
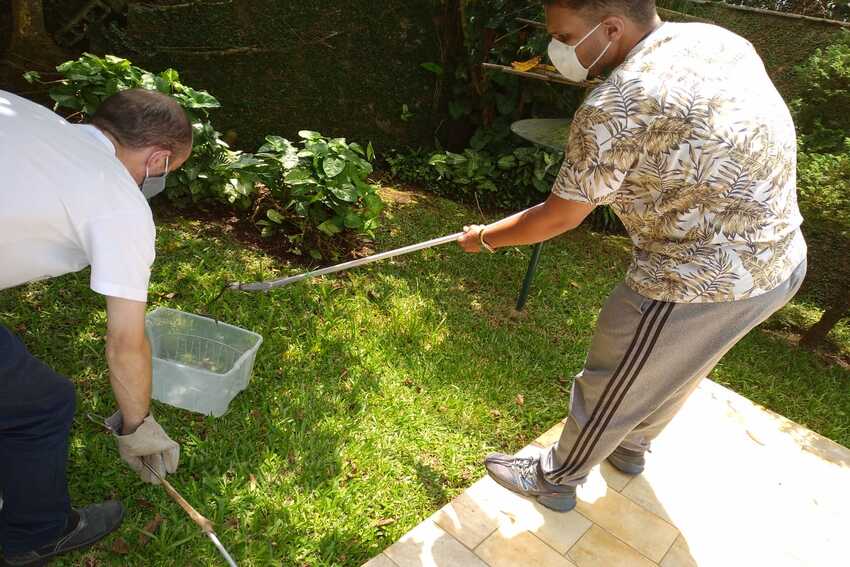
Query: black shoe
x=95 y=523
x=628 y=461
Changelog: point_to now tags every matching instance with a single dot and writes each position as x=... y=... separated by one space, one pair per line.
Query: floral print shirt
x=694 y=149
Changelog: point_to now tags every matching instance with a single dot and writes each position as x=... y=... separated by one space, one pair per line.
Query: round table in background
x=550 y=134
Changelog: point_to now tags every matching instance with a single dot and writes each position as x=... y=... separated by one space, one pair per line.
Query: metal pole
x=217 y=544
x=529 y=277
x=266 y=286
x=202 y=522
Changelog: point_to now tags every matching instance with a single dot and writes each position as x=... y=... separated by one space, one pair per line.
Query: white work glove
x=148 y=444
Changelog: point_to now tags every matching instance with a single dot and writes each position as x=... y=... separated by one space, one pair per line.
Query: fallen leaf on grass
x=520 y=400
x=252 y=481
x=150 y=529
x=120 y=546
x=384 y=522
x=142 y=503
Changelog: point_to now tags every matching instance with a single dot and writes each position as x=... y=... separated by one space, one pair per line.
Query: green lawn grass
x=375 y=394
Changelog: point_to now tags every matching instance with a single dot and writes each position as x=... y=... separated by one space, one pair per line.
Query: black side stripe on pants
x=624 y=384
x=602 y=405
x=667 y=310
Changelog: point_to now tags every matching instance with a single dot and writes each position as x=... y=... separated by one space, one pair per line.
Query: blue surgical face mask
x=153 y=186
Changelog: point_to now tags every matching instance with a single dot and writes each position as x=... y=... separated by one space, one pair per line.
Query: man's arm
x=537 y=224
x=128 y=354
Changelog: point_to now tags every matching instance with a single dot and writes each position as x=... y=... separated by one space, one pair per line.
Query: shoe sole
x=558 y=503
x=41 y=562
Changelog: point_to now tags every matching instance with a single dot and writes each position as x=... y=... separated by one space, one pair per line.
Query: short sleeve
x=598 y=154
x=121 y=251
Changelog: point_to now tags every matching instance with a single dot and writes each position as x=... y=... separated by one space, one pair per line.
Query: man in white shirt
x=70 y=197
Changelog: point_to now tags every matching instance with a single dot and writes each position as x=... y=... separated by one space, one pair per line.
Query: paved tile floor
x=728 y=484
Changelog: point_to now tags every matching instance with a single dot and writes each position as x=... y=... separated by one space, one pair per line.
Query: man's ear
x=157 y=159
x=615 y=27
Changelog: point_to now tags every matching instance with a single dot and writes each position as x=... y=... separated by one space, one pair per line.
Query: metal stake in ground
x=205 y=525
x=266 y=286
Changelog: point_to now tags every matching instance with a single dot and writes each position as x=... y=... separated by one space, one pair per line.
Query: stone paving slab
x=728 y=484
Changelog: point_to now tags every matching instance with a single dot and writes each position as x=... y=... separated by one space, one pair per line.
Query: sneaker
x=93 y=524
x=627 y=461
x=524 y=476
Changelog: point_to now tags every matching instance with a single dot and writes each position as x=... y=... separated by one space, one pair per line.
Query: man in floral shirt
x=693 y=148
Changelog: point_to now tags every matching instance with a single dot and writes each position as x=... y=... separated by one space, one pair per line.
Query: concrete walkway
x=728 y=484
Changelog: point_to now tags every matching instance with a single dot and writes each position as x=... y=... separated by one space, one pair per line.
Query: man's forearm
x=526 y=227
x=130 y=376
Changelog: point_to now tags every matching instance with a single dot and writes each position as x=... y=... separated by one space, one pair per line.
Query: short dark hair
x=641 y=11
x=139 y=118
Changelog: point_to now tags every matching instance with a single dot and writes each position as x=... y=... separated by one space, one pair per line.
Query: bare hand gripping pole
x=266 y=286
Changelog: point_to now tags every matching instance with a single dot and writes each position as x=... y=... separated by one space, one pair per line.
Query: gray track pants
x=645 y=359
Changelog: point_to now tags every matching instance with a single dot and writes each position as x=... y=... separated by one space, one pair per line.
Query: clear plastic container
x=199 y=364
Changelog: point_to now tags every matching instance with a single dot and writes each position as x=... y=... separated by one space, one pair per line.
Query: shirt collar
x=95 y=133
x=642 y=43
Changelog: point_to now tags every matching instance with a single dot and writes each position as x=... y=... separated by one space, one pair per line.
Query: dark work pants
x=36 y=411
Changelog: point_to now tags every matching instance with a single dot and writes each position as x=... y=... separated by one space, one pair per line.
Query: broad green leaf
x=170 y=75
x=299 y=176
x=346 y=192
x=274 y=216
x=329 y=227
x=199 y=99
x=116 y=60
x=32 y=77
x=245 y=160
x=455 y=159
x=353 y=220
x=309 y=135
x=507 y=162
x=333 y=166
x=435 y=68
x=162 y=85
x=318 y=147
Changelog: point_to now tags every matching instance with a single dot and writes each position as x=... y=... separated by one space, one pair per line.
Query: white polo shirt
x=66 y=202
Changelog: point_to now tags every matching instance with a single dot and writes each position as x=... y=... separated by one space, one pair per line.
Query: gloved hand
x=148 y=444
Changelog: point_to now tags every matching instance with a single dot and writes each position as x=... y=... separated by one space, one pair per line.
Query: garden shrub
x=322 y=185
x=824 y=81
x=318 y=189
x=520 y=178
x=824 y=187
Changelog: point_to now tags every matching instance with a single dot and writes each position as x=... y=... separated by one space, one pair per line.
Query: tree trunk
x=818 y=332
x=31 y=44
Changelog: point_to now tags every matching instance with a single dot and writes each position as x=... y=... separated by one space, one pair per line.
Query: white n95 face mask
x=153 y=186
x=566 y=61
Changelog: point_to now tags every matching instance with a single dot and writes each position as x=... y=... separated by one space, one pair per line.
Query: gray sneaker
x=628 y=461
x=523 y=476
